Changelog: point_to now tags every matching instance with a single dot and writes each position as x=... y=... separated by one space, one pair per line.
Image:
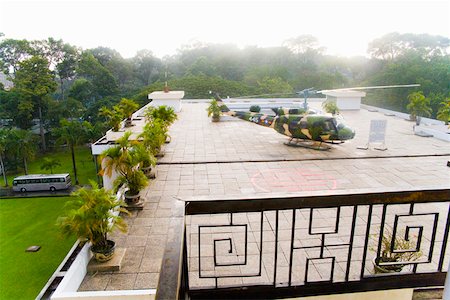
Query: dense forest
x=53 y=80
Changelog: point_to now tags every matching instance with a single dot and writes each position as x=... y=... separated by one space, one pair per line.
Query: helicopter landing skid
x=308 y=144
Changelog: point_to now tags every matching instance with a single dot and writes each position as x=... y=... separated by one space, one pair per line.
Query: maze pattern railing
x=315 y=245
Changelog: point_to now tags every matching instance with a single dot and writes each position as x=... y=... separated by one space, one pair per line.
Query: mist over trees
x=54 y=80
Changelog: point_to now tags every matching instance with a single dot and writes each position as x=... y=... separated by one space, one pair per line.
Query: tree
x=12 y=53
x=103 y=82
x=146 y=66
x=49 y=164
x=394 y=45
x=418 y=106
x=25 y=145
x=3 y=144
x=36 y=82
x=125 y=158
x=444 y=111
x=72 y=133
x=303 y=44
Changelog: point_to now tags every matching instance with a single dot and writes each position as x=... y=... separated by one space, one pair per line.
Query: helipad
x=235 y=159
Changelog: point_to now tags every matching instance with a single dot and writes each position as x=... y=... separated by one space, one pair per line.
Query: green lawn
x=25 y=222
x=84 y=162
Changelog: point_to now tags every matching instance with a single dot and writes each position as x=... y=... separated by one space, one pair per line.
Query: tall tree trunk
x=74 y=164
x=25 y=165
x=41 y=130
x=5 y=179
x=62 y=88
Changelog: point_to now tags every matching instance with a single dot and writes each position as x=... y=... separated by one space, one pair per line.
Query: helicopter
x=304 y=126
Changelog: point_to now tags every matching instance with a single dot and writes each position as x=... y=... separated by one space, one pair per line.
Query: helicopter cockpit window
x=328 y=125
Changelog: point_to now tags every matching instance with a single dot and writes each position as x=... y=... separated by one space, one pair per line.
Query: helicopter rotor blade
x=251 y=96
x=372 y=87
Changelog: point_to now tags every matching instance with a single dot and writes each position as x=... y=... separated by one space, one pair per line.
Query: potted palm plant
x=394 y=251
x=91 y=216
x=148 y=161
x=153 y=137
x=214 y=110
x=330 y=107
x=418 y=106
x=166 y=115
x=125 y=159
x=128 y=107
x=113 y=116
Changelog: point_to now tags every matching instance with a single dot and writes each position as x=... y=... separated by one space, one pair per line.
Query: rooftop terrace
x=234 y=159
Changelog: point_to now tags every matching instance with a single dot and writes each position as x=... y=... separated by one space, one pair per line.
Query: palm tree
x=444 y=111
x=25 y=145
x=125 y=159
x=128 y=107
x=91 y=216
x=418 y=106
x=72 y=133
x=49 y=164
x=153 y=136
x=113 y=117
x=3 y=142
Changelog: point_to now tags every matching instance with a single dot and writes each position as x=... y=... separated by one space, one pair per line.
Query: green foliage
x=154 y=135
x=255 y=108
x=12 y=52
x=214 y=109
x=73 y=133
x=26 y=222
x=127 y=107
x=50 y=164
x=91 y=215
x=393 y=45
x=125 y=159
x=399 y=244
x=164 y=113
x=418 y=106
x=269 y=85
x=444 y=111
x=34 y=79
x=83 y=158
x=330 y=107
x=113 y=116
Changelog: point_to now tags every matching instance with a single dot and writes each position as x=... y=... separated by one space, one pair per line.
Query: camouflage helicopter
x=305 y=127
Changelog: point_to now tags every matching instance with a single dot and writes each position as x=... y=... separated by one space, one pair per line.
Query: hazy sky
x=343 y=27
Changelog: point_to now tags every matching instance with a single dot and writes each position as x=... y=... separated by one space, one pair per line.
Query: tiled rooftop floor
x=234 y=158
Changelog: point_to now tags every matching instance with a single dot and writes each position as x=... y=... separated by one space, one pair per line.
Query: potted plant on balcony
x=128 y=107
x=165 y=114
x=91 y=217
x=113 y=116
x=148 y=161
x=153 y=137
x=330 y=107
x=394 y=251
x=214 y=110
x=255 y=108
x=418 y=106
x=125 y=159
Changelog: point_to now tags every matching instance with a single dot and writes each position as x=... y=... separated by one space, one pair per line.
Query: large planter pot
x=385 y=269
x=132 y=199
x=104 y=254
x=215 y=118
x=150 y=172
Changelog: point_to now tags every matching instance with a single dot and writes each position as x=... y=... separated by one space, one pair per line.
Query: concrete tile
x=122 y=282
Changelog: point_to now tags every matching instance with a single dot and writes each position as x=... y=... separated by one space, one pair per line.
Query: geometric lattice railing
x=299 y=246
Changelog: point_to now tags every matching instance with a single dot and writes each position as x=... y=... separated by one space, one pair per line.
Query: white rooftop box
x=170 y=99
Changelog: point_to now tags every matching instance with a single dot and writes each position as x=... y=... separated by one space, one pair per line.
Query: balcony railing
x=300 y=246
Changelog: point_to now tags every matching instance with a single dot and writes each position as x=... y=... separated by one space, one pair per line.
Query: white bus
x=41 y=182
